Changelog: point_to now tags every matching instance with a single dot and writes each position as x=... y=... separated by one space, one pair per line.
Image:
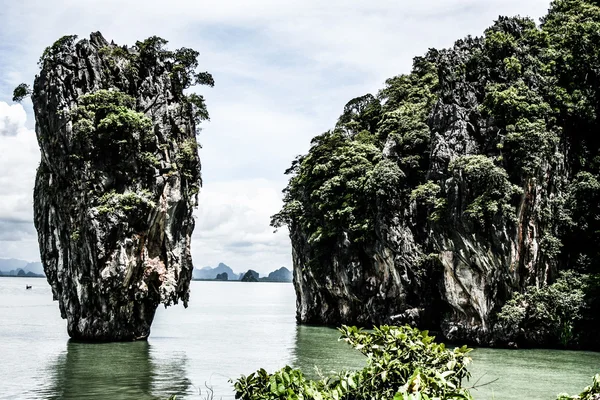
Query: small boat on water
x=28 y=286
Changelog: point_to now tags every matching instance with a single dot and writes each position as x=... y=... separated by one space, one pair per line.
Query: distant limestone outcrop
x=250 y=276
x=222 y=277
x=118 y=179
x=12 y=266
x=211 y=273
x=222 y=270
x=281 y=275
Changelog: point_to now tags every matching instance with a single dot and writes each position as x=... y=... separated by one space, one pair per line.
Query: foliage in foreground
x=403 y=363
x=589 y=393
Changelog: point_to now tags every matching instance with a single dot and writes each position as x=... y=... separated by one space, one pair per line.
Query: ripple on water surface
x=230 y=328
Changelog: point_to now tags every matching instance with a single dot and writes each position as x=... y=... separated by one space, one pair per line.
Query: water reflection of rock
x=117 y=371
x=319 y=346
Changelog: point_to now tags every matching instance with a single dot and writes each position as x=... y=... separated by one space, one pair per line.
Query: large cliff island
x=118 y=180
x=464 y=196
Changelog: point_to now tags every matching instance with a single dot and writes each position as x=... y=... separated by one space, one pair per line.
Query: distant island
x=21 y=268
x=250 y=276
x=209 y=273
x=281 y=275
x=224 y=273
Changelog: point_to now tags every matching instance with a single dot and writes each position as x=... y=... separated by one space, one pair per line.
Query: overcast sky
x=283 y=71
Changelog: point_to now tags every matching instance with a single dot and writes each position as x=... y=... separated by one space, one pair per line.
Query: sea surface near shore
x=227 y=330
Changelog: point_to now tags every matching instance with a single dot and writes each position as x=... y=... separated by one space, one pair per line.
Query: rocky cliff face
x=117 y=182
x=436 y=201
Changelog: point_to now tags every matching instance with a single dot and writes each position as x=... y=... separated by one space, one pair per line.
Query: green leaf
x=281 y=389
x=273 y=385
x=351 y=382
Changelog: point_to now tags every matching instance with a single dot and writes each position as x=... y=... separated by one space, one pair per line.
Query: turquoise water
x=229 y=329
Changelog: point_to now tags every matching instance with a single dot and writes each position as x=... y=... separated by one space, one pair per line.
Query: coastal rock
x=250 y=276
x=280 y=275
x=117 y=182
x=211 y=273
x=435 y=202
x=222 y=277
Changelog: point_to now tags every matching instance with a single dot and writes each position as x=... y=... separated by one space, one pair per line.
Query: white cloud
x=233 y=226
x=19 y=156
x=249 y=134
x=283 y=72
x=12 y=119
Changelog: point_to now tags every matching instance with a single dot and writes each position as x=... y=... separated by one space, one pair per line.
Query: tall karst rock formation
x=467 y=182
x=118 y=180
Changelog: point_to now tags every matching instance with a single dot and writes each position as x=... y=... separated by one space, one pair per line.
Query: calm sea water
x=229 y=329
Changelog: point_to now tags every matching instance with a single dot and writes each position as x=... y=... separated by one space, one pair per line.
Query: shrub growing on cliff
x=329 y=194
x=108 y=130
x=547 y=315
x=187 y=158
x=22 y=91
x=52 y=53
x=488 y=188
x=403 y=363
x=427 y=194
x=110 y=114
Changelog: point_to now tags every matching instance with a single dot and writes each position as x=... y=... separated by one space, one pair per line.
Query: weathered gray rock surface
x=450 y=274
x=117 y=182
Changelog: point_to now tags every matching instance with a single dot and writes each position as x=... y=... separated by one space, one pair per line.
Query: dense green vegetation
x=21 y=91
x=106 y=124
x=403 y=363
x=136 y=63
x=112 y=135
x=589 y=393
x=530 y=98
x=337 y=187
x=556 y=313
